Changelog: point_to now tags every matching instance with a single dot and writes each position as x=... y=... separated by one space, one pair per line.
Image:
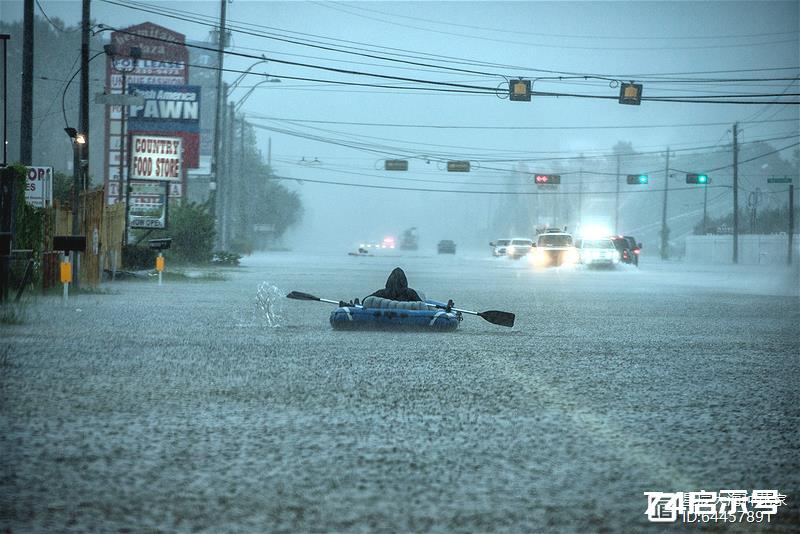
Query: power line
x=211 y=22
x=559 y=46
x=475 y=127
x=582 y=36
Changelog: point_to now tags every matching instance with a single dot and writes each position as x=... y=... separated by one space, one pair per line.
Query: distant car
x=598 y=252
x=628 y=248
x=555 y=249
x=499 y=247
x=446 y=246
x=519 y=247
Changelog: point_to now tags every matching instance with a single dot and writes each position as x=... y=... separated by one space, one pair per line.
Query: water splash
x=269 y=299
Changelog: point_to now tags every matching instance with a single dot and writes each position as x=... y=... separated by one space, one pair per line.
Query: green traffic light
x=702 y=178
x=642 y=178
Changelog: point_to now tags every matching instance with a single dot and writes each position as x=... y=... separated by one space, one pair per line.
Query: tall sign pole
x=664 y=230
x=735 y=193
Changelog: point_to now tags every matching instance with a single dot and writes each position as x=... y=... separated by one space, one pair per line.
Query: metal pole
x=122 y=149
x=4 y=37
x=664 y=230
x=705 y=206
x=26 y=122
x=127 y=196
x=616 y=201
x=221 y=98
x=229 y=175
x=791 y=221
x=735 y=193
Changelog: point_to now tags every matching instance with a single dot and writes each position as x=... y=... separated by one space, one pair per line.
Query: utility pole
x=241 y=173
x=791 y=222
x=81 y=150
x=735 y=193
x=222 y=96
x=664 y=229
x=705 y=206
x=5 y=37
x=616 y=202
x=229 y=176
x=222 y=167
x=26 y=122
x=84 y=106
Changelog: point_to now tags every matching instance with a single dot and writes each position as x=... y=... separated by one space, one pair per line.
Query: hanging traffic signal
x=547 y=179
x=694 y=178
x=638 y=179
x=630 y=93
x=519 y=90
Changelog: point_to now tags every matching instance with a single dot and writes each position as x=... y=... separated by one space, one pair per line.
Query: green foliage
x=62 y=187
x=191 y=228
x=138 y=257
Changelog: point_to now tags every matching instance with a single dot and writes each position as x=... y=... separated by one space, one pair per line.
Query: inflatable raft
x=385 y=314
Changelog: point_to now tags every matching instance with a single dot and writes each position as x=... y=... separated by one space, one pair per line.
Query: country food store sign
x=156 y=158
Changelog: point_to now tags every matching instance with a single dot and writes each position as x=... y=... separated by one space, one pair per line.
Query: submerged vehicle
x=598 y=252
x=409 y=240
x=385 y=314
x=554 y=249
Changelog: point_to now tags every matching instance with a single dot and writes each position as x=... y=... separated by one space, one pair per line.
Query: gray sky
x=623 y=40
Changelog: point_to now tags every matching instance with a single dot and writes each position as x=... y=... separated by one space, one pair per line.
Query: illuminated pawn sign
x=638 y=179
x=630 y=93
x=519 y=90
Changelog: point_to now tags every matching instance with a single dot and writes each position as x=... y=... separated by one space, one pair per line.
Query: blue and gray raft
x=385 y=314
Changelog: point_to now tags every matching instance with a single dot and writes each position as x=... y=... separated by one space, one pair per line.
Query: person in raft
x=397 y=288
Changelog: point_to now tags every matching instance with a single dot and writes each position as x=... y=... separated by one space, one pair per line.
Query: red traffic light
x=544 y=179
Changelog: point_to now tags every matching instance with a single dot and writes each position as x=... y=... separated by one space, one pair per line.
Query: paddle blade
x=297 y=295
x=498 y=317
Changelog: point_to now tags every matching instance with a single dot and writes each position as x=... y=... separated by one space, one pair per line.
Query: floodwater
x=216 y=406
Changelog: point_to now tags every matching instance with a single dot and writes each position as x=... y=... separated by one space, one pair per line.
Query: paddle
x=500 y=318
x=297 y=295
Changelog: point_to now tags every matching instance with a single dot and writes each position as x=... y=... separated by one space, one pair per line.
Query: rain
x=399 y=266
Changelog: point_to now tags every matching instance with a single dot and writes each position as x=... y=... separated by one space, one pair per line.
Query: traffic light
x=694 y=178
x=547 y=179
x=638 y=179
x=519 y=90
x=630 y=93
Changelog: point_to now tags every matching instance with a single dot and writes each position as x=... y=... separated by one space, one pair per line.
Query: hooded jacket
x=397 y=288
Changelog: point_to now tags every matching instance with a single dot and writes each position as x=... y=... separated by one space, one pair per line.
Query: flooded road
x=184 y=407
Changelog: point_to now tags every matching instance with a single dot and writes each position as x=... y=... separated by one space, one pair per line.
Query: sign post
x=66 y=275
x=68 y=244
x=159 y=245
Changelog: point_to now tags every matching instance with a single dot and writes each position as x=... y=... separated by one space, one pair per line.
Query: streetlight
x=135 y=54
x=241 y=101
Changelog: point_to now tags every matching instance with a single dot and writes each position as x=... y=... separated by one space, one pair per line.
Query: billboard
x=39 y=186
x=171 y=110
x=156 y=158
x=163 y=63
x=148 y=205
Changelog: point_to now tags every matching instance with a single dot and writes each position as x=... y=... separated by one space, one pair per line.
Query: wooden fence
x=103 y=227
